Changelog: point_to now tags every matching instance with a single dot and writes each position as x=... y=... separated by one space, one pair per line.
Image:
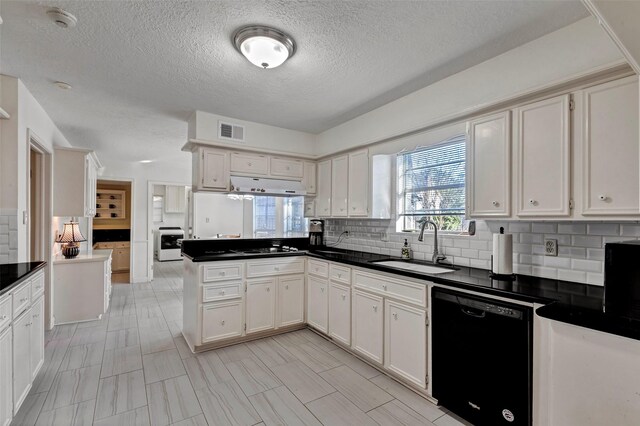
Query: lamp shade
x=71 y=234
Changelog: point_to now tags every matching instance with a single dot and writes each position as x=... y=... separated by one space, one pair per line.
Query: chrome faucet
x=437 y=257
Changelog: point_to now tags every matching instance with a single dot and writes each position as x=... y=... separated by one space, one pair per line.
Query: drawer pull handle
x=28 y=324
x=222 y=322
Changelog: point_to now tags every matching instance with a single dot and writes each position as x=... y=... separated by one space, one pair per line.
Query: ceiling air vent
x=229 y=131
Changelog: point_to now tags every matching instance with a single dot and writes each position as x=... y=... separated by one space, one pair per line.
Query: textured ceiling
x=140 y=68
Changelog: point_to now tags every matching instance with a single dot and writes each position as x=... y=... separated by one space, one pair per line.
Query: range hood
x=261 y=186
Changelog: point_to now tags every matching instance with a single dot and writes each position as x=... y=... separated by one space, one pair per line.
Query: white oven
x=168 y=242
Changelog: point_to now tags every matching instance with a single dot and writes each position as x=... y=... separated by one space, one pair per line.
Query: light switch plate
x=550 y=247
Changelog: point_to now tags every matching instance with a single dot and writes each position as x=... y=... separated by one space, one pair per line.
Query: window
x=279 y=217
x=431 y=183
x=158 y=208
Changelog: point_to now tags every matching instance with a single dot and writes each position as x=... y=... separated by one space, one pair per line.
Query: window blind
x=432 y=180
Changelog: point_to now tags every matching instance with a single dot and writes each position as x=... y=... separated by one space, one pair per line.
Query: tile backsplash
x=580 y=244
x=8 y=235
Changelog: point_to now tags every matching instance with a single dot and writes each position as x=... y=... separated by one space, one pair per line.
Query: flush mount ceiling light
x=263 y=46
x=62 y=18
x=62 y=85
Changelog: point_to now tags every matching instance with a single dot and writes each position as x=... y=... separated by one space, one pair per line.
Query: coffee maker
x=316 y=233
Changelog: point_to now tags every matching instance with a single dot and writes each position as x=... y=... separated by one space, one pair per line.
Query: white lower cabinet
x=6 y=376
x=290 y=300
x=318 y=303
x=222 y=320
x=405 y=341
x=261 y=305
x=21 y=358
x=367 y=325
x=340 y=313
x=37 y=336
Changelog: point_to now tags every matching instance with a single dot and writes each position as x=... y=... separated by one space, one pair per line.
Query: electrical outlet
x=346 y=235
x=550 y=247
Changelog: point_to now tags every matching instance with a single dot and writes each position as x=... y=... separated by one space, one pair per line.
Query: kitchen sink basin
x=414 y=267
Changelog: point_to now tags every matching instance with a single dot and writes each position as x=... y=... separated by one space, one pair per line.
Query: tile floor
x=134 y=368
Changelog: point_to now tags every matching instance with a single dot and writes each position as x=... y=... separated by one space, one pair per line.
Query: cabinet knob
x=344 y=296
x=286 y=287
x=222 y=292
x=277 y=268
x=249 y=164
x=222 y=322
x=4 y=317
x=384 y=287
x=395 y=315
x=222 y=274
x=36 y=315
x=268 y=288
x=288 y=168
x=28 y=324
x=353 y=208
x=215 y=179
x=533 y=202
x=375 y=308
x=495 y=203
x=322 y=289
x=24 y=299
x=603 y=197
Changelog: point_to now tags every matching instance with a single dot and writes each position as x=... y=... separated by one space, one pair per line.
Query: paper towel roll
x=502 y=254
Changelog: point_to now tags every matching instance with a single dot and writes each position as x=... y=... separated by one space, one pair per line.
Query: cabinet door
x=359 y=183
x=261 y=305
x=309 y=208
x=405 y=342
x=6 y=377
x=317 y=303
x=323 y=199
x=174 y=199
x=117 y=260
x=21 y=358
x=340 y=313
x=611 y=177
x=91 y=182
x=489 y=166
x=221 y=320
x=309 y=177
x=290 y=300
x=543 y=158
x=37 y=336
x=367 y=326
x=249 y=164
x=339 y=186
x=214 y=169
x=286 y=167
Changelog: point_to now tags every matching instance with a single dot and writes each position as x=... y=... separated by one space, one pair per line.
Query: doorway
x=39 y=213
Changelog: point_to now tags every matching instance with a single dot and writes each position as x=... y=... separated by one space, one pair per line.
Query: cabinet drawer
x=319 y=268
x=340 y=274
x=123 y=244
x=286 y=167
x=101 y=246
x=221 y=320
x=403 y=290
x=5 y=312
x=222 y=272
x=282 y=266
x=37 y=286
x=249 y=163
x=211 y=293
x=21 y=299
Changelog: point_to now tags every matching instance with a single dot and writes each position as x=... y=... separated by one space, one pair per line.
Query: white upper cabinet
x=211 y=169
x=286 y=168
x=543 y=161
x=610 y=174
x=339 y=186
x=75 y=177
x=323 y=199
x=175 y=199
x=243 y=163
x=489 y=166
x=309 y=177
x=358 y=204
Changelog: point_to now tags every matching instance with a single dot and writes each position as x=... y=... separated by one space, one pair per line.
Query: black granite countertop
x=12 y=274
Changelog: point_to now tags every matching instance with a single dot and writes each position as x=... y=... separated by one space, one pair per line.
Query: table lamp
x=70 y=236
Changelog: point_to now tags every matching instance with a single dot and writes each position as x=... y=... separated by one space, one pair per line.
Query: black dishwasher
x=481 y=358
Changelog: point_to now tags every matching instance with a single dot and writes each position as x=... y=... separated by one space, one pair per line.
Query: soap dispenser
x=406 y=250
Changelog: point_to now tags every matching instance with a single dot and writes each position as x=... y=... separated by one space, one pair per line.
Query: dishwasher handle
x=469 y=312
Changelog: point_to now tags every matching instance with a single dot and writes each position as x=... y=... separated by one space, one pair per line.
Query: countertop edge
x=20 y=280
x=94 y=257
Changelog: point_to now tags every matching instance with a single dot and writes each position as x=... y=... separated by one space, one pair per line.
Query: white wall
x=218 y=214
x=204 y=127
x=571 y=51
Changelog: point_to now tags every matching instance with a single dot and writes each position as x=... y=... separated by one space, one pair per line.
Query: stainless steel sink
x=414 y=267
